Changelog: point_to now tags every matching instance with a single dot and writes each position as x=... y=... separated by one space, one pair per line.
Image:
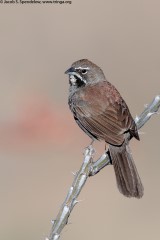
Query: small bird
x=102 y=114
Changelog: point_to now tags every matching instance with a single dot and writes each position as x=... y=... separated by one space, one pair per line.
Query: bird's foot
x=89 y=150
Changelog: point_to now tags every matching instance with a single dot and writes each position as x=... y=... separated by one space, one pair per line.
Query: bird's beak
x=70 y=71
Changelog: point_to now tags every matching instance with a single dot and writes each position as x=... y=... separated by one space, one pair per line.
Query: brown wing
x=102 y=113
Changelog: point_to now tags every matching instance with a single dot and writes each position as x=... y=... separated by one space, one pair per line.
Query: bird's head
x=84 y=72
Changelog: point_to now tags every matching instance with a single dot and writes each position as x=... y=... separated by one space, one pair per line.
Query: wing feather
x=102 y=113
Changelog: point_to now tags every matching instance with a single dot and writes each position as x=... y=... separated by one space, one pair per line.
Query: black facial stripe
x=79 y=82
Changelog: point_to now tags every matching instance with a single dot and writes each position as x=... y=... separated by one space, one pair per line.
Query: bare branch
x=90 y=168
x=71 y=199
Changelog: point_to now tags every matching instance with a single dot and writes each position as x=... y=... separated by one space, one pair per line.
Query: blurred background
x=40 y=144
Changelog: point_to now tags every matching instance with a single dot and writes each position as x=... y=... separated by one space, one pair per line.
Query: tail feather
x=128 y=180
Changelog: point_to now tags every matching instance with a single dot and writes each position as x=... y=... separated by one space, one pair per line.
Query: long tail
x=128 y=180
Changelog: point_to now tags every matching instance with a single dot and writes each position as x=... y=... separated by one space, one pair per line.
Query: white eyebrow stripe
x=85 y=68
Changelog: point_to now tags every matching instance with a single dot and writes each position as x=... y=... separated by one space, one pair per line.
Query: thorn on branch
x=74 y=173
x=151 y=113
x=53 y=221
x=69 y=223
x=75 y=202
x=145 y=105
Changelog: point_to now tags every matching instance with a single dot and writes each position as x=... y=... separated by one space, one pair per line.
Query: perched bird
x=102 y=114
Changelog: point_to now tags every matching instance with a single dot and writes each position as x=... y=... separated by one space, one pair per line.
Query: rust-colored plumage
x=102 y=114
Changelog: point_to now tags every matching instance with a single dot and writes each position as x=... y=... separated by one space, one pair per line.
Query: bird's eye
x=84 y=71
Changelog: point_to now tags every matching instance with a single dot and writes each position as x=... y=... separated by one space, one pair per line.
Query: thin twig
x=71 y=199
x=90 y=168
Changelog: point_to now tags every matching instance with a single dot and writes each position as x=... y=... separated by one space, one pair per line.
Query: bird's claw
x=89 y=150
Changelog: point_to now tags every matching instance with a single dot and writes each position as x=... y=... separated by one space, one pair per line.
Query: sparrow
x=100 y=111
